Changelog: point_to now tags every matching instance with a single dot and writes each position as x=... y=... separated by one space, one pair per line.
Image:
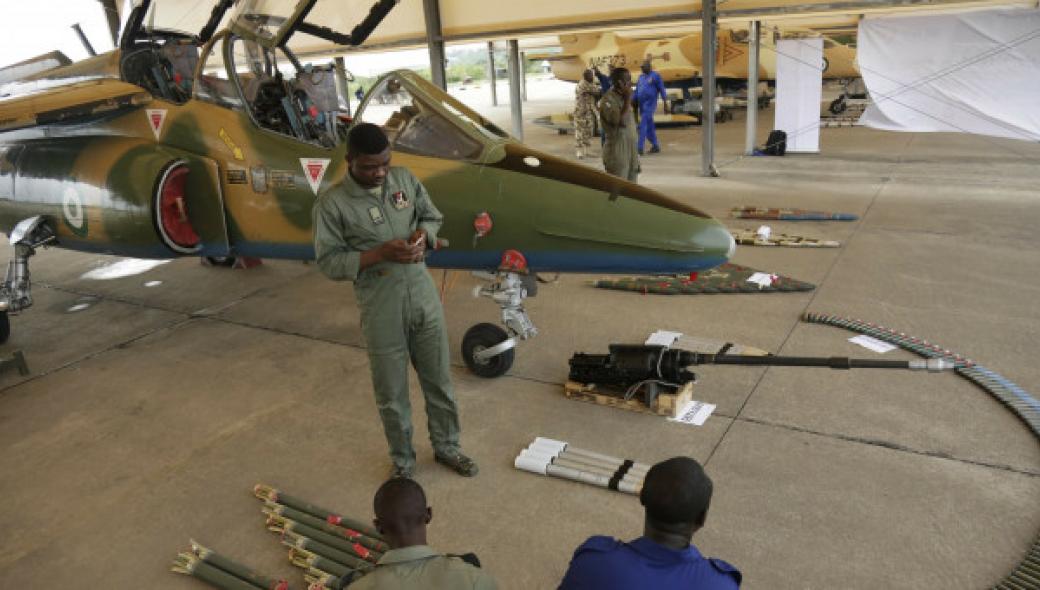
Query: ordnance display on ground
x=1019 y=401
x=648 y=367
x=219 y=571
x=725 y=278
x=789 y=214
x=269 y=494
x=751 y=237
x=547 y=456
x=332 y=549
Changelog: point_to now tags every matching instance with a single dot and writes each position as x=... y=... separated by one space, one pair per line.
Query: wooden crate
x=666 y=404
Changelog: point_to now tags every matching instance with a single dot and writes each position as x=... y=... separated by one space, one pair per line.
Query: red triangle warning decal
x=156 y=118
x=314 y=169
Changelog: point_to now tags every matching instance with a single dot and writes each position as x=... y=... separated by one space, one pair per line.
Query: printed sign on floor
x=694 y=413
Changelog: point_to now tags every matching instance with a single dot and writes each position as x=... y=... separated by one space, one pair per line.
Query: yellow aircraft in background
x=678 y=59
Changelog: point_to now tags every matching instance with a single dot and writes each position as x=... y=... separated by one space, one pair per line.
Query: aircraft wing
x=40 y=63
x=69 y=101
x=551 y=56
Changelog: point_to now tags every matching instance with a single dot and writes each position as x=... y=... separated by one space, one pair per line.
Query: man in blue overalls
x=676 y=494
x=648 y=88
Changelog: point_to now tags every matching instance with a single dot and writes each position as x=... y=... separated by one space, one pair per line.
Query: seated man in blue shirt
x=676 y=494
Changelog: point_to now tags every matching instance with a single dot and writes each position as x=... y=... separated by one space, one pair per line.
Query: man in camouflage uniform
x=619 y=127
x=585 y=95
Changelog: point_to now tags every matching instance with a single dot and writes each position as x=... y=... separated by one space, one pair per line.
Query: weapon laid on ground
x=1019 y=401
x=319 y=579
x=725 y=278
x=750 y=237
x=324 y=526
x=238 y=570
x=648 y=367
x=787 y=214
x=221 y=572
x=295 y=540
x=270 y=494
x=281 y=524
x=331 y=549
x=547 y=456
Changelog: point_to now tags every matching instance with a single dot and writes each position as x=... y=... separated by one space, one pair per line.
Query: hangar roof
x=477 y=20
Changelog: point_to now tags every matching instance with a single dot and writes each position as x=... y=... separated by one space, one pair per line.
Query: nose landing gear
x=487 y=349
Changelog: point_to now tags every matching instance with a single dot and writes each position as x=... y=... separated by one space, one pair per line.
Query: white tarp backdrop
x=971 y=72
x=799 y=89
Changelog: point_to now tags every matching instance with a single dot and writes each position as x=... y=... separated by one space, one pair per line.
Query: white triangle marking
x=156 y=118
x=314 y=169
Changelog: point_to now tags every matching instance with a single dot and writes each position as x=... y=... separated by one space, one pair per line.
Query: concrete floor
x=151 y=413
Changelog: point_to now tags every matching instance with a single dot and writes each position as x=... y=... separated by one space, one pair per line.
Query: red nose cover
x=173 y=211
x=482 y=223
x=513 y=261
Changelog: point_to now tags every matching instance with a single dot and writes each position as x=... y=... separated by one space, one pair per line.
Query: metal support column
x=523 y=74
x=491 y=73
x=112 y=15
x=341 y=83
x=514 y=89
x=83 y=39
x=435 y=42
x=751 y=124
x=708 y=33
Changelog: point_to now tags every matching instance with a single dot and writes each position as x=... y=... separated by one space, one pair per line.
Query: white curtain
x=799 y=87
x=970 y=72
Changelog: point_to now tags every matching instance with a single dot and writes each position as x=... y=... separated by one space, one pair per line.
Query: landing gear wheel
x=220 y=261
x=481 y=337
x=5 y=327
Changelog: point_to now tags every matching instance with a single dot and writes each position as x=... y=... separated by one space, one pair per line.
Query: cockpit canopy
x=421 y=119
x=268 y=22
x=279 y=93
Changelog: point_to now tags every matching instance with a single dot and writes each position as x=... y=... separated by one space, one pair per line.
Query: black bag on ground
x=776 y=143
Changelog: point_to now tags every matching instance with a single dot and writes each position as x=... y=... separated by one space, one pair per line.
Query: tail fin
x=35 y=65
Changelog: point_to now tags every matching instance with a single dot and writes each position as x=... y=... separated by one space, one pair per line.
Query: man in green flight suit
x=374 y=228
x=620 y=157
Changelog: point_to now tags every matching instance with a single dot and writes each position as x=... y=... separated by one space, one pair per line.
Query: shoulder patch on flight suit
x=376 y=215
x=599 y=544
x=400 y=200
x=724 y=567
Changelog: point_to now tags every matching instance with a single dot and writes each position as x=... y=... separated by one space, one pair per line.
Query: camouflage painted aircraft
x=678 y=59
x=217 y=145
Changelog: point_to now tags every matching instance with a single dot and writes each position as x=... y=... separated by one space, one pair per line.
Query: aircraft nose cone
x=715 y=242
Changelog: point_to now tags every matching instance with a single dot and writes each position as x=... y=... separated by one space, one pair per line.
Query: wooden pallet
x=666 y=404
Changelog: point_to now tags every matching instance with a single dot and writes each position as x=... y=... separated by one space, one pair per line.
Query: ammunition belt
x=1016 y=399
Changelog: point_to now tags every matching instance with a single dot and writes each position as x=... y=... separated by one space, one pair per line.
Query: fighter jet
x=218 y=145
x=678 y=59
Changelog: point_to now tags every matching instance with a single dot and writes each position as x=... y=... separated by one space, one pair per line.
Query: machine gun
x=637 y=366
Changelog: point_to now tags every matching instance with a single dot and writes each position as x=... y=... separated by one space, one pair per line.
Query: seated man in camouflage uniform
x=402 y=516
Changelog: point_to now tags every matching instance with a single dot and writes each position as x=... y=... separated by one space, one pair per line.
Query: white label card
x=762 y=279
x=694 y=413
x=873 y=343
x=663 y=338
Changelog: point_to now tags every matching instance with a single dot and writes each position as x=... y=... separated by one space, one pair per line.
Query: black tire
x=838 y=106
x=481 y=337
x=5 y=327
x=221 y=261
